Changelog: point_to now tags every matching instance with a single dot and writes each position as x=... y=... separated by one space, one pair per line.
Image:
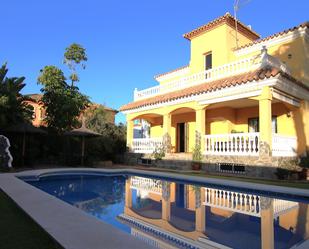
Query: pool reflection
x=219 y=217
x=177 y=215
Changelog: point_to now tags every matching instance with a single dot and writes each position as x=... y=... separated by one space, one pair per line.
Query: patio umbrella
x=25 y=128
x=82 y=132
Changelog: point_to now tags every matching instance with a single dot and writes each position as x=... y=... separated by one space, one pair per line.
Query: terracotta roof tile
x=229 y=20
x=302 y=25
x=36 y=97
x=259 y=74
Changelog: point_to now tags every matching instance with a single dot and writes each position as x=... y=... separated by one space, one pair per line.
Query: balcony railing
x=243 y=202
x=225 y=70
x=234 y=144
x=246 y=144
x=146 y=145
x=146 y=184
x=284 y=145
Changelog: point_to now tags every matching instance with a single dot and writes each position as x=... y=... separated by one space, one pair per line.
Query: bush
x=197 y=154
x=159 y=152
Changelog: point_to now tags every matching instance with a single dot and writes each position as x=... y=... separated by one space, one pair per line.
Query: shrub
x=197 y=154
x=159 y=152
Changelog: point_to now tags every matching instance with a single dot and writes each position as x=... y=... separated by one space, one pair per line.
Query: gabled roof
x=259 y=74
x=302 y=25
x=226 y=19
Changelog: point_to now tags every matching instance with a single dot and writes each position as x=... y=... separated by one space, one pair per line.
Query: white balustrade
x=146 y=145
x=244 y=203
x=225 y=70
x=146 y=184
x=284 y=145
x=246 y=144
x=283 y=206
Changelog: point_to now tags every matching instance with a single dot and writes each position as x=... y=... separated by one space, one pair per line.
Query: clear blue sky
x=127 y=42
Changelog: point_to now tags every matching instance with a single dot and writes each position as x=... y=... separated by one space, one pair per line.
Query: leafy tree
x=63 y=103
x=74 y=55
x=113 y=139
x=96 y=118
x=13 y=108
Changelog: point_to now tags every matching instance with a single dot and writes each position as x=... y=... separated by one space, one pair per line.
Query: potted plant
x=197 y=157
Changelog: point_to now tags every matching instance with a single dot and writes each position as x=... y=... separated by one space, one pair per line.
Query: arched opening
x=183 y=129
x=147 y=125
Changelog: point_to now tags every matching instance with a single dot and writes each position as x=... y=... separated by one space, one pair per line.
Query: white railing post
x=135 y=94
x=246 y=144
x=146 y=184
x=146 y=145
x=243 y=202
x=225 y=70
x=283 y=145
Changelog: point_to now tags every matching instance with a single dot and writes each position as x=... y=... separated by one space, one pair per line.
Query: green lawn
x=18 y=231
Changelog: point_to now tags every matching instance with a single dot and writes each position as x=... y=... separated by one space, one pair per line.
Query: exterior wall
x=225 y=120
x=285 y=124
x=301 y=121
x=173 y=77
x=220 y=120
x=38 y=113
x=220 y=41
x=231 y=42
x=298 y=63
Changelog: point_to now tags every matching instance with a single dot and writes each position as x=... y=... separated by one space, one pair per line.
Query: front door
x=182 y=137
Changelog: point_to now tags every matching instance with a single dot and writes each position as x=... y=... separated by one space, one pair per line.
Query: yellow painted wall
x=220 y=120
x=285 y=124
x=156 y=131
x=220 y=41
x=292 y=122
x=298 y=63
x=173 y=78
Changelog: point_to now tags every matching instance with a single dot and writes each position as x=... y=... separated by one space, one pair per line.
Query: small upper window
x=208 y=61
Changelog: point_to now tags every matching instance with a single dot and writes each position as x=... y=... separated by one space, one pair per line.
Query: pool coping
x=268 y=189
x=65 y=227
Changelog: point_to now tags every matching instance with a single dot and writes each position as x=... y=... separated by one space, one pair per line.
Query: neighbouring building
x=39 y=111
x=245 y=100
x=38 y=116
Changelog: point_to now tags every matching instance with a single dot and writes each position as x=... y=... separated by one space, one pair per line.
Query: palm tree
x=13 y=109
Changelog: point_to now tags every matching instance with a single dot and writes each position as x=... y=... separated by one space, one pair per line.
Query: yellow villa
x=244 y=98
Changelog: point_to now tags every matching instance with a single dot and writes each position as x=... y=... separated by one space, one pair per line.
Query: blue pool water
x=184 y=215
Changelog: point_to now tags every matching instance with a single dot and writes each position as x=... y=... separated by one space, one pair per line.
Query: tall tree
x=97 y=117
x=63 y=103
x=75 y=55
x=13 y=108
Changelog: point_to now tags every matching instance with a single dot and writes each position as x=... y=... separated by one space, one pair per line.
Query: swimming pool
x=169 y=213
